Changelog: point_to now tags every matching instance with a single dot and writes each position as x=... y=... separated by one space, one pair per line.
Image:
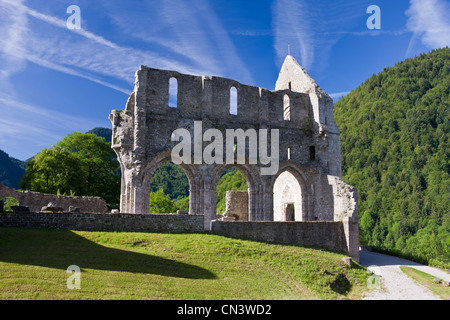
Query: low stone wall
x=36 y=200
x=104 y=221
x=319 y=234
x=327 y=235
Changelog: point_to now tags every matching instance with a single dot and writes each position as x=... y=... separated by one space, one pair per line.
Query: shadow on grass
x=62 y=248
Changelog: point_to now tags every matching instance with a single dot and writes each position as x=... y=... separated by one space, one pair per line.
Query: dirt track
x=395 y=285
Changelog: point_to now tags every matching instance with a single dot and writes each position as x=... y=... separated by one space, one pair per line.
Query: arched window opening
x=286 y=107
x=287 y=198
x=173 y=93
x=169 y=189
x=233 y=101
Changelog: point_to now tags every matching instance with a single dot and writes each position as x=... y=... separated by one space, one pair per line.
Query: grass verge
x=125 y=265
x=427 y=280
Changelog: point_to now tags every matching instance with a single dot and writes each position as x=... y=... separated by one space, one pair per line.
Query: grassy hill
x=120 y=265
x=395 y=138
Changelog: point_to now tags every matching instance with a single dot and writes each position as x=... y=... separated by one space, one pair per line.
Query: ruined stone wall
x=329 y=235
x=142 y=138
x=298 y=109
x=294 y=77
x=36 y=200
x=236 y=205
x=104 y=221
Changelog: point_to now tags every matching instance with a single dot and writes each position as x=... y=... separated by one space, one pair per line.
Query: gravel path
x=395 y=285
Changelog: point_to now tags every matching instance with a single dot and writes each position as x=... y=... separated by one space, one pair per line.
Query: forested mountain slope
x=396 y=151
x=11 y=170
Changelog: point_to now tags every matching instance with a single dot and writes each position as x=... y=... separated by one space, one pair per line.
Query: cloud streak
x=34 y=125
x=12 y=31
x=429 y=23
x=76 y=52
x=312 y=28
x=194 y=36
x=194 y=41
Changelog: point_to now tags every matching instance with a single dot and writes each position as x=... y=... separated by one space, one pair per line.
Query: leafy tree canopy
x=80 y=164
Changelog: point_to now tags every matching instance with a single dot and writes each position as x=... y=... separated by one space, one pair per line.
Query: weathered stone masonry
x=326 y=208
x=104 y=222
x=309 y=144
x=328 y=235
x=36 y=200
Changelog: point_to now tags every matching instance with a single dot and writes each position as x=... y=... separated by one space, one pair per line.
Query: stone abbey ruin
x=301 y=201
x=307 y=188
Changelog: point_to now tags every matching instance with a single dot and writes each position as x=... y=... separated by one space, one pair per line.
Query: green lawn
x=123 y=265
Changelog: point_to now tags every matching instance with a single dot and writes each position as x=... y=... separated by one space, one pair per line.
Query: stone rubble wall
x=36 y=200
x=104 y=221
x=322 y=234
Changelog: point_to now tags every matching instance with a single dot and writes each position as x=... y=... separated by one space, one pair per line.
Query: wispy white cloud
x=429 y=19
x=293 y=27
x=194 y=36
x=429 y=22
x=23 y=125
x=44 y=116
x=199 y=42
x=13 y=25
x=76 y=52
x=312 y=28
x=62 y=24
x=23 y=44
x=338 y=95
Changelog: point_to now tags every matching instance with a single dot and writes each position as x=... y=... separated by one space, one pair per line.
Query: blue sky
x=55 y=80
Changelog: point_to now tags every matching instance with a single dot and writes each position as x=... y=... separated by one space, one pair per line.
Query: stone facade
x=104 y=222
x=309 y=144
x=35 y=201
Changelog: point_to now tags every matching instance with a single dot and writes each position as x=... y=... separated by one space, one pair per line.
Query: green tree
x=101 y=170
x=172 y=179
x=8 y=202
x=161 y=203
x=182 y=204
x=80 y=164
x=54 y=170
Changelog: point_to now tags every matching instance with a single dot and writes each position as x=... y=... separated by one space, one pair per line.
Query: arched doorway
x=287 y=198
